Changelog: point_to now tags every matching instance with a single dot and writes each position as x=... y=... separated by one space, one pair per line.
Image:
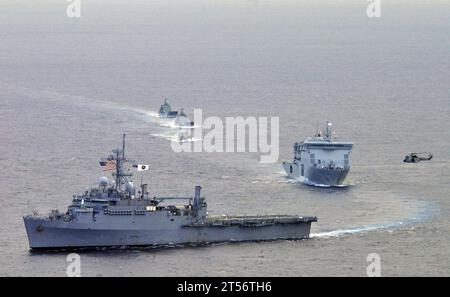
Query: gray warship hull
x=324 y=177
x=112 y=215
x=47 y=234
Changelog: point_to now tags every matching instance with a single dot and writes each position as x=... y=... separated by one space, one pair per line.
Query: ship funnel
x=197 y=193
x=196 y=204
x=144 y=190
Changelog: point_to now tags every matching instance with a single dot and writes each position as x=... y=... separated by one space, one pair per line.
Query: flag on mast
x=108 y=165
x=141 y=167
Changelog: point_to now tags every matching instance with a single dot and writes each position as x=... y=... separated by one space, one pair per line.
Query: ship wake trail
x=150 y=116
x=428 y=211
x=97 y=103
x=174 y=138
x=350 y=231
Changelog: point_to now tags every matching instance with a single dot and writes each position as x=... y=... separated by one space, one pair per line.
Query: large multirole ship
x=320 y=160
x=116 y=214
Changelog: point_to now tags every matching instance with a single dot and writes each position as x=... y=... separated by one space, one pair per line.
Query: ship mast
x=117 y=169
x=123 y=147
x=120 y=160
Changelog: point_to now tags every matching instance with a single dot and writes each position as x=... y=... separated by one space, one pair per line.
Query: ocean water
x=70 y=87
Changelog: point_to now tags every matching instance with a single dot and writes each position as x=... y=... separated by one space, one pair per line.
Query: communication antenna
x=33 y=210
x=117 y=170
x=123 y=147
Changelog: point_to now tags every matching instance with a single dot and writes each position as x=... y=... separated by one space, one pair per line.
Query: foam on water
x=164 y=122
x=169 y=137
x=428 y=212
x=341 y=232
x=305 y=181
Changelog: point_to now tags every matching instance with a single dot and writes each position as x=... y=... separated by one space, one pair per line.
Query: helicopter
x=417 y=157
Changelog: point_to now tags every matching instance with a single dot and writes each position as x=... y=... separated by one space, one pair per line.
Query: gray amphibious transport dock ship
x=114 y=215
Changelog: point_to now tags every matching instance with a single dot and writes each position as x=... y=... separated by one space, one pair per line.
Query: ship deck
x=252 y=221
